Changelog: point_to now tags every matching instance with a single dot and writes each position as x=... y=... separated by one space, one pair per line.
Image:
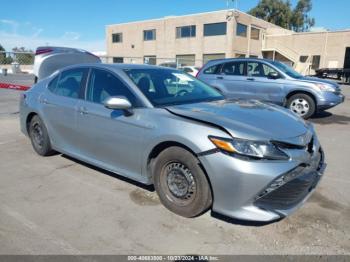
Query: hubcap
x=37 y=135
x=300 y=106
x=180 y=182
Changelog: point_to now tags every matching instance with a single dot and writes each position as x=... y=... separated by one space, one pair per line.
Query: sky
x=81 y=23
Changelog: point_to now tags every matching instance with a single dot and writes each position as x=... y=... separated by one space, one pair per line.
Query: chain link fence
x=16 y=68
x=22 y=62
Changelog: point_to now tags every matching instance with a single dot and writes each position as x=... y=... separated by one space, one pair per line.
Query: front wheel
x=181 y=184
x=302 y=104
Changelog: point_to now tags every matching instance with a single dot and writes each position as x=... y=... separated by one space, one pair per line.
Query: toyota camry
x=243 y=159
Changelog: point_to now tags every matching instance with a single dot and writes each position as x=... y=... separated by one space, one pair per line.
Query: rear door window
x=212 y=70
x=235 y=68
x=69 y=83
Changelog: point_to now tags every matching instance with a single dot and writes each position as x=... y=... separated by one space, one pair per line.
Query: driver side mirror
x=118 y=103
x=273 y=75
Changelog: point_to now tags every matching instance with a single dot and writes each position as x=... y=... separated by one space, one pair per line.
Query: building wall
x=330 y=46
x=167 y=45
x=276 y=42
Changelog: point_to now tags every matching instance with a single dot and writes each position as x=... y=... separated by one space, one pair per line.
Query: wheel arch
x=294 y=92
x=29 y=118
x=160 y=147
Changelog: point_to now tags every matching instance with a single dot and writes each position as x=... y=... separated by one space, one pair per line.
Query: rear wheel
x=39 y=137
x=302 y=104
x=181 y=184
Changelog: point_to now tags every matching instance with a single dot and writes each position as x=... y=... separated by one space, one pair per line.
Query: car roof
x=120 y=66
x=215 y=61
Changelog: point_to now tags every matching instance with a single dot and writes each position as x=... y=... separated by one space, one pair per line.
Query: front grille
x=289 y=194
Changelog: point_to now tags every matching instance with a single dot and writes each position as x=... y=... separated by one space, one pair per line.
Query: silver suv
x=271 y=81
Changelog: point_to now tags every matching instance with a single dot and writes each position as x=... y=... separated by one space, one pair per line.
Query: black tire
x=39 y=137
x=176 y=164
x=303 y=100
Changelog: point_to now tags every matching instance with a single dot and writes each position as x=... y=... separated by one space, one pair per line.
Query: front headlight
x=248 y=148
x=324 y=87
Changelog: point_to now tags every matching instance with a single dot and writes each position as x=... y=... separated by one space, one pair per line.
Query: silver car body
x=258 y=190
x=244 y=86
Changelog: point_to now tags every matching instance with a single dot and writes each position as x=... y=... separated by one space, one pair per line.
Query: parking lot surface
x=57 y=205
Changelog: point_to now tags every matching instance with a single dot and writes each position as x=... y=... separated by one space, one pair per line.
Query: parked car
x=246 y=160
x=48 y=59
x=169 y=64
x=271 y=81
x=191 y=70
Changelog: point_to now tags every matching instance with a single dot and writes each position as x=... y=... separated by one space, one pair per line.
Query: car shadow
x=111 y=174
x=325 y=118
x=242 y=222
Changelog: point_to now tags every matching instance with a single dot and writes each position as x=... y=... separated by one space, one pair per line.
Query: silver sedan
x=243 y=159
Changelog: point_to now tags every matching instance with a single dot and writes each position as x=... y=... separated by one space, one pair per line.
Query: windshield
x=165 y=87
x=287 y=69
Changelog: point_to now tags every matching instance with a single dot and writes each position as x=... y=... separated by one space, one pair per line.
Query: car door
x=232 y=79
x=110 y=138
x=209 y=74
x=261 y=86
x=59 y=106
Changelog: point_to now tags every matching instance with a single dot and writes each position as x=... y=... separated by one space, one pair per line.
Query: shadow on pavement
x=325 y=118
x=108 y=173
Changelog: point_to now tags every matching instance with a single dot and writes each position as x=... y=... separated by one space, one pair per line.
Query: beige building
x=195 y=39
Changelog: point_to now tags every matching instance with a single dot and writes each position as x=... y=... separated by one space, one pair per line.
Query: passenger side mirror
x=273 y=75
x=118 y=102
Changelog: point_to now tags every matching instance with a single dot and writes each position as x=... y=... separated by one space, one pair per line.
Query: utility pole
x=234 y=3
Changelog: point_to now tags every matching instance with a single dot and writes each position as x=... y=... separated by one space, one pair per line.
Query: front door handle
x=251 y=78
x=220 y=77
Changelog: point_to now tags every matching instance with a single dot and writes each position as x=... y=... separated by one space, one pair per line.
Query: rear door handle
x=220 y=77
x=83 y=111
x=44 y=101
x=251 y=78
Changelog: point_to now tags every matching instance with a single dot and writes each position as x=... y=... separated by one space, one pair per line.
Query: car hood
x=247 y=119
x=319 y=80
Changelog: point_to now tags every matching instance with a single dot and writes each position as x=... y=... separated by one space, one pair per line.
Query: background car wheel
x=302 y=104
x=39 y=137
x=181 y=184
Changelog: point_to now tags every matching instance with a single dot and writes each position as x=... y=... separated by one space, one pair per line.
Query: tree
x=280 y=12
x=2 y=54
x=277 y=12
x=300 y=20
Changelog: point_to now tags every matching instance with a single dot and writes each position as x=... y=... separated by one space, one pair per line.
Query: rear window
x=212 y=70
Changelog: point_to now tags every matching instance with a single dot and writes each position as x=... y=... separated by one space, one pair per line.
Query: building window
x=118 y=60
x=316 y=62
x=241 y=30
x=150 y=60
x=186 y=31
x=185 y=60
x=208 y=57
x=240 y=55
x=215 y=29
x=255 y=33
x=149 y=35
x=117 y=38
x=303 y=58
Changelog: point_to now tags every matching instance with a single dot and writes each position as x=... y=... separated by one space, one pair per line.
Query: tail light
x=43 y=51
